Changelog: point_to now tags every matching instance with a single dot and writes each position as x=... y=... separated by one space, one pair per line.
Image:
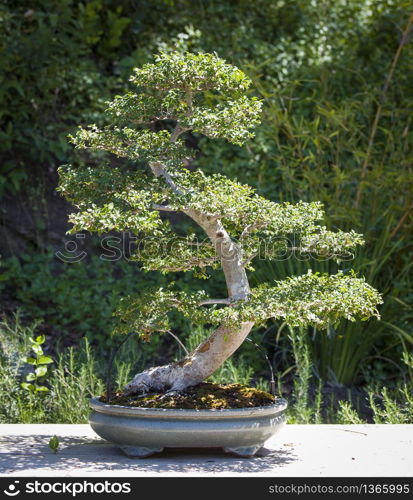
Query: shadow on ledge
x=31 y=453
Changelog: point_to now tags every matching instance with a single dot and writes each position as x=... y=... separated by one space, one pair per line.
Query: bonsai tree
x=230 y=224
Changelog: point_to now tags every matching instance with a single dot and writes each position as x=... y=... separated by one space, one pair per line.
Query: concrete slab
x=299 y=450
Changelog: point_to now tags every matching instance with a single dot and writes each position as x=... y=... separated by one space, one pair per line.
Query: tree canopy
x=202 y=94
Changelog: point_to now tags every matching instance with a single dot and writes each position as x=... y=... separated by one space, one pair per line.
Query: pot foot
x=244 y=451
x=139 y=451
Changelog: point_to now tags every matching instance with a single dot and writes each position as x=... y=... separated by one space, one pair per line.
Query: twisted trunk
x=211 y=353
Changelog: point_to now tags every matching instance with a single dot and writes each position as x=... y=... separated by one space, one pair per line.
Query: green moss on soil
x=199 y=397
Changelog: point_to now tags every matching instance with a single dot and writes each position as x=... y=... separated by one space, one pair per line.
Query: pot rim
x=130 y=411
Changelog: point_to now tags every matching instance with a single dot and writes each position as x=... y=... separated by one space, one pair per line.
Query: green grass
x=388 y=405
x=71 y=380
x=78 y=374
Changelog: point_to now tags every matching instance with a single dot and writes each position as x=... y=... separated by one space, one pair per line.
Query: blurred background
x=337 y=82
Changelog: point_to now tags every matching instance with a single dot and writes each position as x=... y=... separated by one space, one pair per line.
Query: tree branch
x=163 y=208
x=215 y=301
x=250 y=258
x=235 y=276
x=248 y=229
x=158 y=170
x=177 y=131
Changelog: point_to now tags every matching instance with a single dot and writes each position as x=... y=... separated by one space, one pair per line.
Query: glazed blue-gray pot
x=140 y=432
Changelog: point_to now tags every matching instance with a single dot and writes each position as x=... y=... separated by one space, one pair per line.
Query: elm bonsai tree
x=202 y=94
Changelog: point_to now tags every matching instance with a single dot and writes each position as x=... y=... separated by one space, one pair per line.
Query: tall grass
x=396 y=406
x=72 y=380
x=79 y=374
x=302 y=410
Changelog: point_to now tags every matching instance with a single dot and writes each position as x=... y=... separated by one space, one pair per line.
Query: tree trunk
x=194 y=368
x=211 y=353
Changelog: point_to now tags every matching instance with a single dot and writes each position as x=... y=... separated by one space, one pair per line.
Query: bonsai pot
x=140 y=432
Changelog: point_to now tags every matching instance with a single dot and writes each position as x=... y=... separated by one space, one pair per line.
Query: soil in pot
x=200 y=397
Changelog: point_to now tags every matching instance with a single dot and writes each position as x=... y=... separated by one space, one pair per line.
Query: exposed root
x=194 y=368
x=159 y=379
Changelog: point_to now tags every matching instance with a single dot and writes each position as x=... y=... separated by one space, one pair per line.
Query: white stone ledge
x=299 y=450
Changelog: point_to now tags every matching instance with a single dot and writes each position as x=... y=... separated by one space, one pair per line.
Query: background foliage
x=335 y=79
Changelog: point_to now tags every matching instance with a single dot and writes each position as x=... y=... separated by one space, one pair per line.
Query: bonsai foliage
x=232 y=224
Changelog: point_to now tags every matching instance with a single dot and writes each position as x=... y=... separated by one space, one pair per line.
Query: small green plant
x=35 y=380
x=394 y=406
x=347 y=414
x=302 y=410
x=71 y=381
x=54 y=443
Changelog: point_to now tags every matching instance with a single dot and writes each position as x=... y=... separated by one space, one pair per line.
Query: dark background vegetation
x=336 y=78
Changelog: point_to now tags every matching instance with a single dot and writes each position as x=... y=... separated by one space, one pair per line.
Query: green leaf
x=28 y=387
x=44 y=360
x=30 y=377
x=41 y=388
x=41 y=371
x=40 y=339
x=37 y=349
x=29 y=360
x=54 y=443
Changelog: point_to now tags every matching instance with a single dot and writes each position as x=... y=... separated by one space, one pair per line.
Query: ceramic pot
x=140 y=432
